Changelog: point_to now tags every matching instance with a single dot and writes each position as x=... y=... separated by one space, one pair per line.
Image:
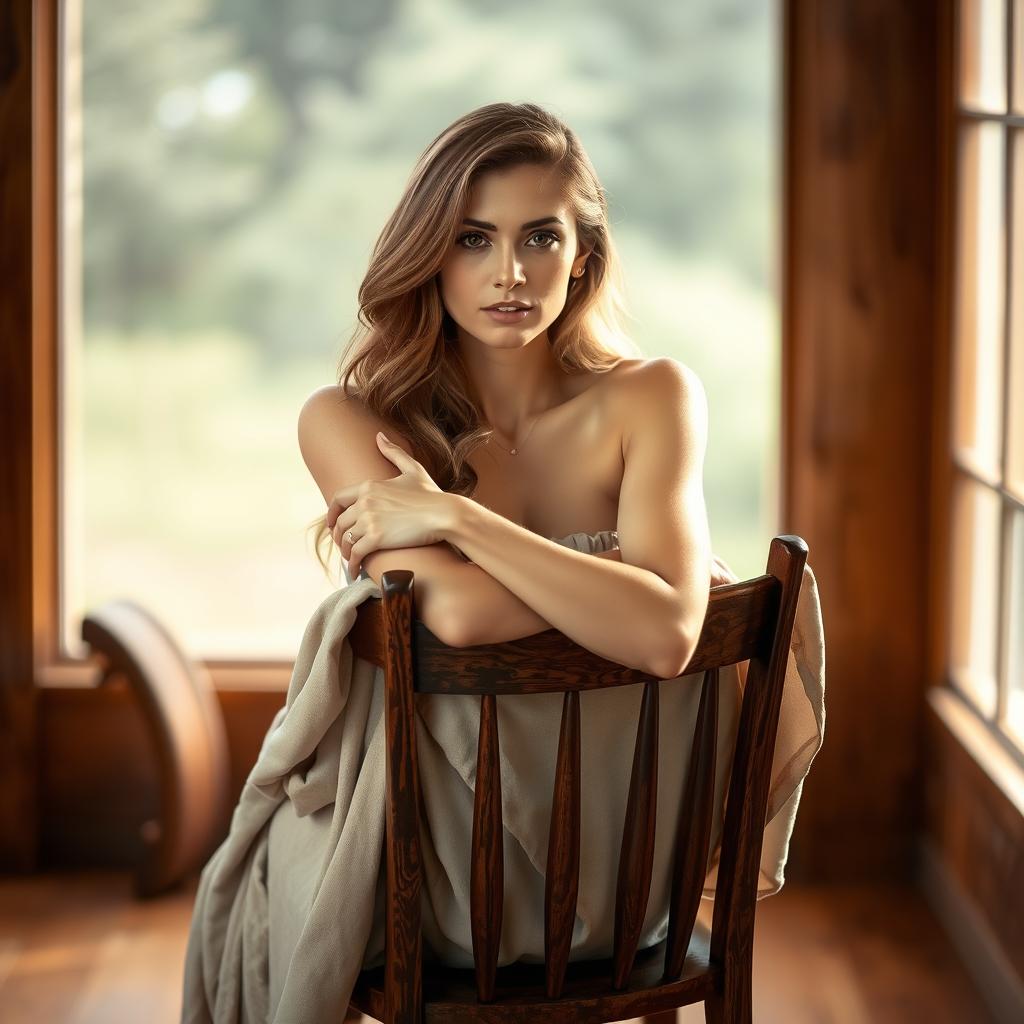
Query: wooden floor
x=78 y=948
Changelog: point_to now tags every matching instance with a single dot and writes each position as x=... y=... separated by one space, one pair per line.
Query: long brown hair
x=402 y=356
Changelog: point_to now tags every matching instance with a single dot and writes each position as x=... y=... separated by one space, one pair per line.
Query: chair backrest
x=749 y=621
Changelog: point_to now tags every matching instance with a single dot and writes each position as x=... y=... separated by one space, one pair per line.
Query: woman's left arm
x=647 y=610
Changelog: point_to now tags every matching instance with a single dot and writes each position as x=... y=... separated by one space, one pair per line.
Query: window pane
x=983 y=54
x=237 y=162
x=978 y=321
x=1015 y=628
x=1015 y=423
x=974 y=590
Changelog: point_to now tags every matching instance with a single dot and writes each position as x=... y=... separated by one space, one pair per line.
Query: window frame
x=54 y=666
x=950 y=465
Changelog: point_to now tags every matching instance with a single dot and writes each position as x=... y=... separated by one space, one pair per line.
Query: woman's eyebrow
x=528 y=224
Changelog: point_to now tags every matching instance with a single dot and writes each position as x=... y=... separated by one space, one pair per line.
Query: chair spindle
x=563 y=869
x=486 y=854
x=693 y=834
x=636 y=859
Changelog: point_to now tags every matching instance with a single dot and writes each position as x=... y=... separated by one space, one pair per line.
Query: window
x=225 y=171
x=986 y=602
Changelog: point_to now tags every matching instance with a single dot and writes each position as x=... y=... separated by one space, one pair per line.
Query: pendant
x=512 y=452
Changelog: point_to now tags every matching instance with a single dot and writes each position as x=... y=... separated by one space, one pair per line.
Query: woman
x=533 y=475
x=516 y=436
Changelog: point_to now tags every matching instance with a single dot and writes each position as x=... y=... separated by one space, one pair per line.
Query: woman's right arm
x=498 y=615
x=337 y=439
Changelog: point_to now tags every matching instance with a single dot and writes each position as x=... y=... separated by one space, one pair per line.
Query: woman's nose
x=510 y=269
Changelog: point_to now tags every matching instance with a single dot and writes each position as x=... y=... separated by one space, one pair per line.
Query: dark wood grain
x=736 y=625
x=693 y=833
x=403 y=936
x=976 y=831
x=561 y=886
x=636 y=858
x=587 y=995
x=735 y=899
x=27 y=306
x=747 y=621
x=863 y=336
x=487 y=856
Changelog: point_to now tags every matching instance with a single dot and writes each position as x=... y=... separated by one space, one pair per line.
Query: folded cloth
x=290 y=907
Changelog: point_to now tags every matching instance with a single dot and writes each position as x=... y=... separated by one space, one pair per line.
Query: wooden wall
x=972 y=864
x=861 y=198
x=94 y=741
x=22 y=315
x=908 y=782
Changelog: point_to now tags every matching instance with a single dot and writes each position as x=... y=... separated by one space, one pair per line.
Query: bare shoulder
x=338 y=441
x=331 y=414
x=637 y=375
x=337 y=436
x=644 y=388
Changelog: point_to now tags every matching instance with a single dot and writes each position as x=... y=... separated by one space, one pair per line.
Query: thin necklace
x=514 y=451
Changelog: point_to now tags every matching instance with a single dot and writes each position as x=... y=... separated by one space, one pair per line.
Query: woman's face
x=496 y=257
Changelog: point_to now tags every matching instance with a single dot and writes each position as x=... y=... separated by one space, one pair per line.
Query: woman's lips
x=509 y=318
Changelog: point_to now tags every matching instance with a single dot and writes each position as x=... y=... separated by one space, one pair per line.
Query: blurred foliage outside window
x=228 y=166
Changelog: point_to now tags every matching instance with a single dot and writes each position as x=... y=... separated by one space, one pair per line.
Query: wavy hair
x=401 y=360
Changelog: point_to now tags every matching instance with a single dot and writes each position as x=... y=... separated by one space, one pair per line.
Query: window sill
x=975 y=736
x=235 y=676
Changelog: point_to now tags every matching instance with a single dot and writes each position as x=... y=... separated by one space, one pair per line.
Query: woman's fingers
x=363 y=546
x=345 y=522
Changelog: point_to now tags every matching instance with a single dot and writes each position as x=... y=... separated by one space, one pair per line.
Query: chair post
x=403 y=938
x=732 y=930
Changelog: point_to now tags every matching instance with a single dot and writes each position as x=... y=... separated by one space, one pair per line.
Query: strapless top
x=590 y=543
x=603 y=540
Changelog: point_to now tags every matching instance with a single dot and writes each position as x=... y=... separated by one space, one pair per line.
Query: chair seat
x=449 y=993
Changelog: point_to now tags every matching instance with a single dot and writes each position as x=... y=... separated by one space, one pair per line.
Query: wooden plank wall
x=21 y=316
x=94 y=741
x=861 y=195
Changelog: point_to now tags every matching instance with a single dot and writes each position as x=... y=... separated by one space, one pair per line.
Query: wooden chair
x=750 y=620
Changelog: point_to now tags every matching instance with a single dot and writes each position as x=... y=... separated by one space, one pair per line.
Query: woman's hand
x=406 y=511
x=721 y=573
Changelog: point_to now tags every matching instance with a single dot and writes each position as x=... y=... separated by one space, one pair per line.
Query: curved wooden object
x=186 y=729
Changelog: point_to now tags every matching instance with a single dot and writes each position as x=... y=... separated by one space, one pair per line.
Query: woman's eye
x=462 y=239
